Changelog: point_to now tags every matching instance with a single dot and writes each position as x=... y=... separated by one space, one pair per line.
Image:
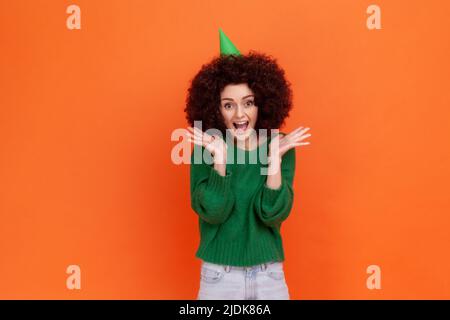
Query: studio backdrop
x=93 y=207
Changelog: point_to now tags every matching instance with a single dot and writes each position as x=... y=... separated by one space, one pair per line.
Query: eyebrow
x=250 y=95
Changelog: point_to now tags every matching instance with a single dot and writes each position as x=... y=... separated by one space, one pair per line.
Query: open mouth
x=241 y=126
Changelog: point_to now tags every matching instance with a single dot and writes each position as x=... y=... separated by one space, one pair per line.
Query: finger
x=202 y=135
x=295 y=144
x=304 y=130
x=194 y=130
x=290 y=134
x=205 y=136
x=193 y=137
x=198 y=132
x=301 y=144
x=297 y=130
x=300 y=132
x=303 y=137
x=194 y=141
x=300 y=135
x=198 y=142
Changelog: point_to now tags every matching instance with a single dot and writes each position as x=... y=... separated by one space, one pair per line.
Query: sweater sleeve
x=273 y=206
x=211 y=194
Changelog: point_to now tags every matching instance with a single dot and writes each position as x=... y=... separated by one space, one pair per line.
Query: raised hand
x=281 y=144
x=213 y=143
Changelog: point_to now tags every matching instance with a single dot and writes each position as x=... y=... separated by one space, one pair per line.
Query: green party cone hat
x=226 y=46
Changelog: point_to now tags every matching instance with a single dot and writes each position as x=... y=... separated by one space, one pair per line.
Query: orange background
x=86 y=117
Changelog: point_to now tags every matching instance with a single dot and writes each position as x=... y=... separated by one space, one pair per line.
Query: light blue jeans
x=261 y=282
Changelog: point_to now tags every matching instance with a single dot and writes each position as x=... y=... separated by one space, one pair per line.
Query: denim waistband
x=228 y=268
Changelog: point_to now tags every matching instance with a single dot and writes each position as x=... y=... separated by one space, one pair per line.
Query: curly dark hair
x=273 y=95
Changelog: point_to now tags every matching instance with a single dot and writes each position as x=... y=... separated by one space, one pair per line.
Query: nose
x=239 y=112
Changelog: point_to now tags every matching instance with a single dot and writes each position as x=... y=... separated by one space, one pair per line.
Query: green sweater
x=239 y=215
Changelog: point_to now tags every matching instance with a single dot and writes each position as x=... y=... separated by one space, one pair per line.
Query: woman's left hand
x=281 y=144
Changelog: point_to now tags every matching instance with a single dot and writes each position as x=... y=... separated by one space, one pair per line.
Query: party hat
x=226 y=46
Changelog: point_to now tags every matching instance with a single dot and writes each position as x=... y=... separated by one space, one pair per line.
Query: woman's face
x=237 y=105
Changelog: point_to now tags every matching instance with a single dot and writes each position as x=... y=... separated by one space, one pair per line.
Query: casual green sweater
x=239 y=215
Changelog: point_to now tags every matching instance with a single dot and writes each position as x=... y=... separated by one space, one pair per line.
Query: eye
x=227 y=106
x=249 y=103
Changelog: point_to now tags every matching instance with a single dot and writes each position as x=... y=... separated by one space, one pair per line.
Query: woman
x=240 y=209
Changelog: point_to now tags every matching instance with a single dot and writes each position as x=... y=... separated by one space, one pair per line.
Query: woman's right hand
x=213 y=143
